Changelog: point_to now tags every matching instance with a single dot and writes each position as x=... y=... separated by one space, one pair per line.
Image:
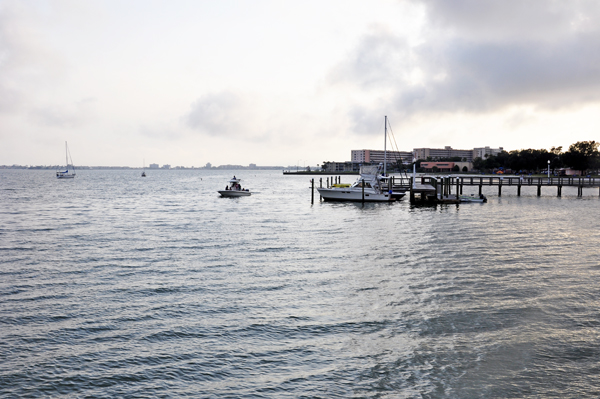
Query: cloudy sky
x=277 y=82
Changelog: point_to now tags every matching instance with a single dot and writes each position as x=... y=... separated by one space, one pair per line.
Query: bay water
x=114 y=285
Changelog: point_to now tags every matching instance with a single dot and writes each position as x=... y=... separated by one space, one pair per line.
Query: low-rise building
x=484 y=152
x=378 y=156
x=446 y=166
x=446 y=152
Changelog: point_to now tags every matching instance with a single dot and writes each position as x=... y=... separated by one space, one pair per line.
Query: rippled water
x=116 y=286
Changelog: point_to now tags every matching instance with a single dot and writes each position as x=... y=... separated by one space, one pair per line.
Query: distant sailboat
x=144 y=171
x=67 y=174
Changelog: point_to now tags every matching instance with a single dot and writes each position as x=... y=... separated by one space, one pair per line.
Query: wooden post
x=320 y=182
x=539 y=191
x=363 y=190
x=500 y=187
x=457 y=187
x=461 y=186
x=519 y=188
x=312 y=191
x=559 y=190
x=480 y=187
x=328 y=182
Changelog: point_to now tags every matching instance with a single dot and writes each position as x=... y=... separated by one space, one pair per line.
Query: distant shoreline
x=59 y=167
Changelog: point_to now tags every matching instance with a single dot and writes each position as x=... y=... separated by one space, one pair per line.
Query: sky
x=275 y=82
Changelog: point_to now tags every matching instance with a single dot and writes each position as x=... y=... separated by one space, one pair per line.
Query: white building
x=484 y=152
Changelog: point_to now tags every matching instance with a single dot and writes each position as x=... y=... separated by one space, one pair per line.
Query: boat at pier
x=234 y=189
x=373 y=184
x=370 y=186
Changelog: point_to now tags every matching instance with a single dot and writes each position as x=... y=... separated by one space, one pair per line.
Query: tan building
x=377 y=156
x=445 y=166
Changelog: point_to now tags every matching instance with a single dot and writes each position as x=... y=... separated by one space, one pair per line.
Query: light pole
x=548 y=170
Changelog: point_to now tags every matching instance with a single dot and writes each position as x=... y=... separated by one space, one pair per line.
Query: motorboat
x=472 y=198
x=234 y=189
x=66 y=174
x=371 y=186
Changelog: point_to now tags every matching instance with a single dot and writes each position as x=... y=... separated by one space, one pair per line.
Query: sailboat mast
x=66 y=155
x=385 y=146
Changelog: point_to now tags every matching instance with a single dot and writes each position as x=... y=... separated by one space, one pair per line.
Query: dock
x=445 y=188
x=448 y=189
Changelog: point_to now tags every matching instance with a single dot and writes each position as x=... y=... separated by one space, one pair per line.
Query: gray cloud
x=482 y=56
x=218 y=114
x=71 y=115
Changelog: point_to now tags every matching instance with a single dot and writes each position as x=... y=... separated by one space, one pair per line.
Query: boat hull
x=234 y=193
x=65 y=176
x=344 y=194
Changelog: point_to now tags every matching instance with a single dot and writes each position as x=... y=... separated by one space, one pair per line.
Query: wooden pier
x=430 y=187
x=447 y=189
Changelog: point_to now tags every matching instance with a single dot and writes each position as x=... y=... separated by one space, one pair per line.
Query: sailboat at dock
x=373 y=184
x=68 y=173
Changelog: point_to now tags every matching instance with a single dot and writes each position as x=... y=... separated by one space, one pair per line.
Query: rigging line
x=397 y=154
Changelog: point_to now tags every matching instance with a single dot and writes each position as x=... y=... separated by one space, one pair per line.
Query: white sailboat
x=67 y=174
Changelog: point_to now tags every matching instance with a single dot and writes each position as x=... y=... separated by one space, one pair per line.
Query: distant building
x=484 y=152
x=333 y=167
x=208 y=165
x=377 y=156
x=445 y=166
x=252 y=166
x=446 y=152
x=166 y=166
x=153 y=166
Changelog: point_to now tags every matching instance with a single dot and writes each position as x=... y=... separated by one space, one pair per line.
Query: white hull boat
x=375 y=188
x=234 y=189
x=377 y=185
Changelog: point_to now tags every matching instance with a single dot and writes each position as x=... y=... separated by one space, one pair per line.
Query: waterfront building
x=153 y=166
x=377 y=156
x=446 y=152
x=484 y=152
x=335 y=167
x=445 y=166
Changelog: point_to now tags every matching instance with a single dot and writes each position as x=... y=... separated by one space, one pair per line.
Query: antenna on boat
x=385 y=146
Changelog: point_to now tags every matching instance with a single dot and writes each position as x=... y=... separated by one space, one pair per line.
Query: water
x=113 y=285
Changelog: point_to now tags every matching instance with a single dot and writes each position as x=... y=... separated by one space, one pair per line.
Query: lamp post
x=548 y=170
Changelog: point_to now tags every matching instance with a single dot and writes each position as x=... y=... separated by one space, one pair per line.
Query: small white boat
x=472 y=198
x=234 y=189
x=370 y=186
x=67 y=174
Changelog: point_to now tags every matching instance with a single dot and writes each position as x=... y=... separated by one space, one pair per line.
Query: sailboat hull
x=65 y=175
